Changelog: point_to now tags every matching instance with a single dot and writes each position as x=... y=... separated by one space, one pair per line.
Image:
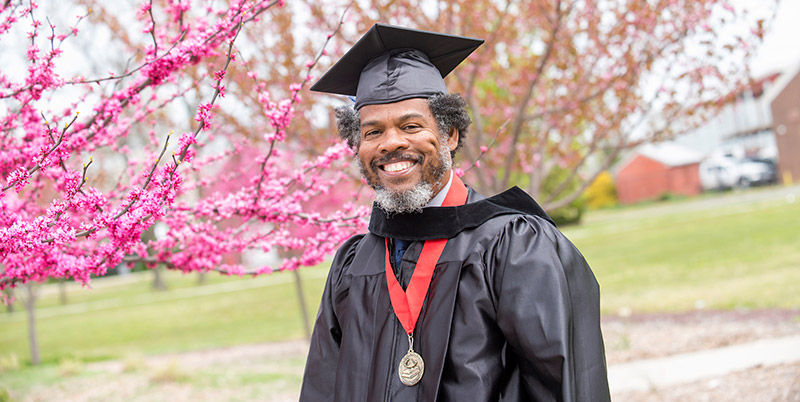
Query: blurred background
x=663 y=137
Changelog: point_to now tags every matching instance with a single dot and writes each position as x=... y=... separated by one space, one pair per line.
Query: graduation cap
x=390 y=64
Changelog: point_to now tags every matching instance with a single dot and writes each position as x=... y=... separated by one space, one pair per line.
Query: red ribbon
x=407 y=305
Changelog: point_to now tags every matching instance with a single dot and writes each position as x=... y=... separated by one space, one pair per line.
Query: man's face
x=401 y=147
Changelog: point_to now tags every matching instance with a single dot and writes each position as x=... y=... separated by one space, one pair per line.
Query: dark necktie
x=400 y=247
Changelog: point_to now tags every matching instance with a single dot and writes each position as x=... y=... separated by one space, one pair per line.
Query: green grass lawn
x=115 y=321
x=726 y=251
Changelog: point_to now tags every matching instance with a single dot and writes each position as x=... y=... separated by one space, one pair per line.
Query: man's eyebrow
x=369 y=123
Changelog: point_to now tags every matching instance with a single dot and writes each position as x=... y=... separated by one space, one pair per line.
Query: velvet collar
x=447 y=222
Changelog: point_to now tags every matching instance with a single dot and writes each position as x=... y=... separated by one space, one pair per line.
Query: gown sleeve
x=323 y=355
x=548 y=309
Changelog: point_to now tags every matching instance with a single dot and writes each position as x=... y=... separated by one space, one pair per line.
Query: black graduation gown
x=512 y=312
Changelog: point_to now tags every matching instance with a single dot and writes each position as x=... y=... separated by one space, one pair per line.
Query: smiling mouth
x=397 y=166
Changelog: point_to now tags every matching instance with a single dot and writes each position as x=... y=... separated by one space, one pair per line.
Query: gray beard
x=399 y=202
x=414 y=199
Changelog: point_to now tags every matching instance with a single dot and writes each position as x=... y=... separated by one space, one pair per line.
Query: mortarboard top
x=390 y=63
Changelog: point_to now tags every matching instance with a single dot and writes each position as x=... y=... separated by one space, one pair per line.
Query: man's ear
x=452 y=139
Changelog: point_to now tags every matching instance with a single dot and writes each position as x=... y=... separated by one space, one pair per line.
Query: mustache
x=395 y=156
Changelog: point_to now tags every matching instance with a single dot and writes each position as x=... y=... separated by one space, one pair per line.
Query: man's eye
x=371 y=133
x=411 y=127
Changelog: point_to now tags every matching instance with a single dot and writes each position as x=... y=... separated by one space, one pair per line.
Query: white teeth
x=396 y=167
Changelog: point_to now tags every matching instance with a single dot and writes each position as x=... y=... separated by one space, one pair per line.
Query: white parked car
x=725 y=173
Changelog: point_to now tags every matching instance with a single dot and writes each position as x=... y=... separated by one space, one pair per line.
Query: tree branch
x=38 y=165
x=519 y=119
x=311 y=65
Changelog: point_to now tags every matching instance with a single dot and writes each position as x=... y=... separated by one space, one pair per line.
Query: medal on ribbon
x=411 y=365
x=407 y=305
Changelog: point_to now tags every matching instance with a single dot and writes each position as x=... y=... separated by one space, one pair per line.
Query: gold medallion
x=411 y=368
x=411 y=365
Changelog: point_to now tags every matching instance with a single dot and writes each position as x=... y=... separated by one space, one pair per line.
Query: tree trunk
x=301 y=297
x=62 y=291
x=30 y=306
x=158 y=280
x=201 y=278
x=9 y=296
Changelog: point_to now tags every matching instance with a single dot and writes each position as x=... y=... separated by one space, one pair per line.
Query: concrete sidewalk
x=650 y=374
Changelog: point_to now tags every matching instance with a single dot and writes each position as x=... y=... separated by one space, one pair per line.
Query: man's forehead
x=403 y=110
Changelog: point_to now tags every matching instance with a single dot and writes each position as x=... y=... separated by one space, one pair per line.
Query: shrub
x=5 y=396
x=70 y=366
x=171 y=372
x=602 y=193
x=9 y=363
x=571 y=213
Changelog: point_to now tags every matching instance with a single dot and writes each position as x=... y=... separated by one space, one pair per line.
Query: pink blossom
x=19 y=178
x=240 y=192
x=728 y=7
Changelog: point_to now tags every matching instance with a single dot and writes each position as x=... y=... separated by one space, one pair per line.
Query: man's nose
x=393 y=139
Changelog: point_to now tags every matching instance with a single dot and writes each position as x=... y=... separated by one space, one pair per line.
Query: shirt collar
x=438 y=199
x=447 y=222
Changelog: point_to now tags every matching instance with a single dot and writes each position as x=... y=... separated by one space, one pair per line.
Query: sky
x=780 y=49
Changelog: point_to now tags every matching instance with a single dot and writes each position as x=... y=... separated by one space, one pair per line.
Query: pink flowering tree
x=90 y=163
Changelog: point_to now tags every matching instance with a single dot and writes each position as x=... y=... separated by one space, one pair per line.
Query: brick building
x=653 y=170
x=786 y=125
x=741 y=128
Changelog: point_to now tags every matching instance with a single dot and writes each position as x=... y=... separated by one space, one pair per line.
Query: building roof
x=666 y=153
x=780 y=84
x=670 y=154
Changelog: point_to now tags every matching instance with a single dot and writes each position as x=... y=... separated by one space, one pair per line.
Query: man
x=451 y=296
